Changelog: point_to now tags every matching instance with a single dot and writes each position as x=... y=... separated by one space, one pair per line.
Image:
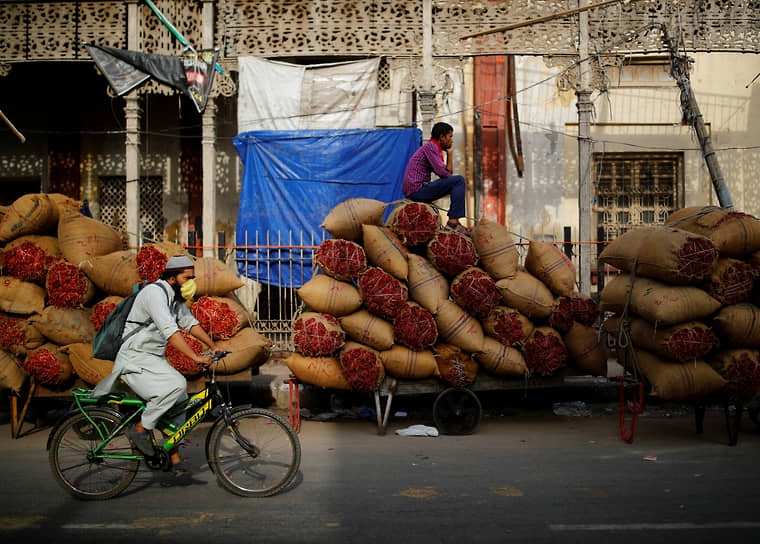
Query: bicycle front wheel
x=74 y=466
x=258 y=456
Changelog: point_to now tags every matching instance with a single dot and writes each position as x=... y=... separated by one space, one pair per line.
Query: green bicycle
x=253 y=452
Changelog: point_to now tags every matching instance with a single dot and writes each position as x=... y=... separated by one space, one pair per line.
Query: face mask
x=188 y=289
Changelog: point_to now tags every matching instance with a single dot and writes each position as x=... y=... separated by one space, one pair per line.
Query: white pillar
x=585 y=108
x=132 y=152
x=428 y=106
x=208 y=144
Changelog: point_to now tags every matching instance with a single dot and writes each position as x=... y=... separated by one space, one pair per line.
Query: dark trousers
x=453 y=186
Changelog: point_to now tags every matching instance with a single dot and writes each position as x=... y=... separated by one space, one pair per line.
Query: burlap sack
x=673 y=381
x=385 y=250
x=88 y=368
x=48 y=244
x=64 y=326
x=320 y=371
x=587 y=349
x=741 y=368
x=527 y=294
x=29 y=214
x=18 y=335
x=115 y=273
x=43 y=374
x=455 y=367
x=681 y=342
x=341 y=259
x=499 y=359
x=731 y=281
x=368 y=329
x=58 y=285
x=169 y=249
x=249 y=349
x=12 y=376
x=81 y=238
x=317 y=335
x=326 y=295
x=361 y=366
x=214 y=278
x=346 y=219
x=754 y=262
x=738 y=325
x=508 y=326
x=402 y=362
x=658 y=302
x=497 y=249
x=62 y=203
x=545 y=351
x=550 y=265
x=457 y=327
x=664 y=253
x=734 y=234
x=421 y=229
x=427 y=286
x=242 y=316
x=20 y=297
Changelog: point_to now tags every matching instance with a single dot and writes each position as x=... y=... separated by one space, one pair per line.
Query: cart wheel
x=457 y=410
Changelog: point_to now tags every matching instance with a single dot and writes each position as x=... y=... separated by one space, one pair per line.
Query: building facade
x=522 y=163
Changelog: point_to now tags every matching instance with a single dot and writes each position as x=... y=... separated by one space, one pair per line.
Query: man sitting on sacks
x=159 y=312
x=429 y=159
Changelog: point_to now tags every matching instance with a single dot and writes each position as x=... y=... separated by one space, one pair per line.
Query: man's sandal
x=459 y=228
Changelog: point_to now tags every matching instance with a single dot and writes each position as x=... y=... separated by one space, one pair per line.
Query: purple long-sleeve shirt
x=425 y=160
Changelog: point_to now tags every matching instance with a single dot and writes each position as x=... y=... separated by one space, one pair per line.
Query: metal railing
x=275 y=262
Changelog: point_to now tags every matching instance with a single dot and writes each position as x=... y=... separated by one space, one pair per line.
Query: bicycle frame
x=203 y=402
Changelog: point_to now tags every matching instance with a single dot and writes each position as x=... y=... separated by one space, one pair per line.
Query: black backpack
x=108 y=340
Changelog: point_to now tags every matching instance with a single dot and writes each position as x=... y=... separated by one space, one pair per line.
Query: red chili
x=66 y=285
x=151 y=263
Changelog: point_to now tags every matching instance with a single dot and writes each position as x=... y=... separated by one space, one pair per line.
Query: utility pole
x=679 y=70
x=132 y=151
x=208 y=144
x=428 y=106
x=585 y=109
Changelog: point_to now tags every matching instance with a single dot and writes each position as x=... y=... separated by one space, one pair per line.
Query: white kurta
x=141 y=360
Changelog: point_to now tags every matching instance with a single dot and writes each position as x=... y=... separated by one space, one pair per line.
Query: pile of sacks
x=62 y=272
x=685 y=311
x=409 y=299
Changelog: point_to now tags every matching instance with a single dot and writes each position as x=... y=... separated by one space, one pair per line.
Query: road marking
x=424 y=493
x=653 y=526
x=15 y=523
x=508 y=491
x=79 y=526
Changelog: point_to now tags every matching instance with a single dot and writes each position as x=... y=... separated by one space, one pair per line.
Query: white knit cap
x=179 y=262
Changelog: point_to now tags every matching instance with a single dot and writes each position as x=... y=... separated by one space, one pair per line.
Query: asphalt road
x=527 y=476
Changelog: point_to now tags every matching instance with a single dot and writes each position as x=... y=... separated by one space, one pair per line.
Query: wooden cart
x=457 y=410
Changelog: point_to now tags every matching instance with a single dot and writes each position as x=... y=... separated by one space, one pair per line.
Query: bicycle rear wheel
x=258 y=457
x=71 y=460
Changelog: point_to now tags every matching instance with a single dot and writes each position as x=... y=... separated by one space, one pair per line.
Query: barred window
x=113 y=207
x=634 y=189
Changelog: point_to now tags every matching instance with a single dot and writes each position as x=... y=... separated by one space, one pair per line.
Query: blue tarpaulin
x=291 y=181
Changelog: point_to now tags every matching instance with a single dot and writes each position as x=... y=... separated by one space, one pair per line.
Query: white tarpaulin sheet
x=281 y=96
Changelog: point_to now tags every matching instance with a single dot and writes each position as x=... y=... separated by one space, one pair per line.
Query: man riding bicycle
x=158 y=314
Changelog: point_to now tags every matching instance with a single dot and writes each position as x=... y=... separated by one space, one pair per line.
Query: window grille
x=113 y=209
x=635 y=189
x=383 y=75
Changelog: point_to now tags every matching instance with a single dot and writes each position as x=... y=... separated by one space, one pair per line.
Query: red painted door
x=490 y=90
